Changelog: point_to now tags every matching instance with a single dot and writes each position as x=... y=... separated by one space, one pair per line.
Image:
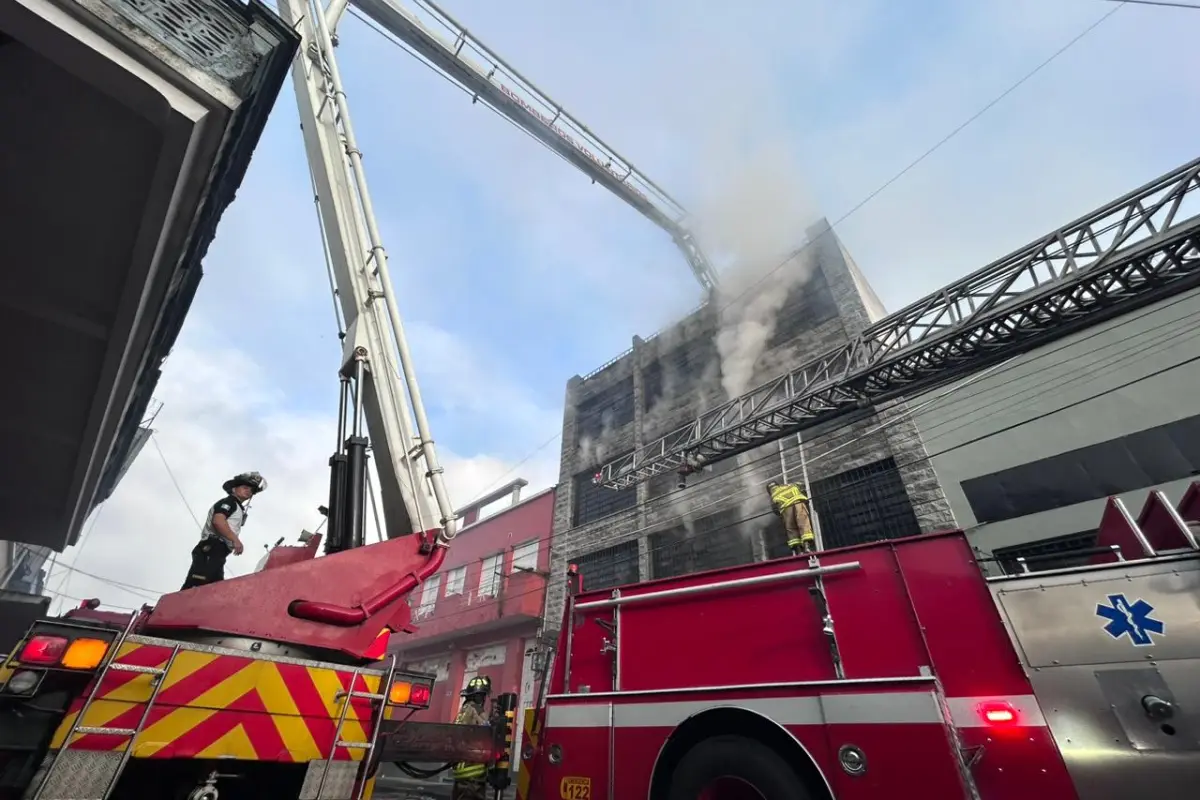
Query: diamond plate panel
x=339 y=785
x=78 y=775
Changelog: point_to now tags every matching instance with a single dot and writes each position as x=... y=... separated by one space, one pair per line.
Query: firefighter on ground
x=221 y=534
x=791 y=504
x=470 y=780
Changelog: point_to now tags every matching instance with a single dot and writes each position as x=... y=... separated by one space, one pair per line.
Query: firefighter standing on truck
x=221 y=533
x=470 y=780
x=791 y=504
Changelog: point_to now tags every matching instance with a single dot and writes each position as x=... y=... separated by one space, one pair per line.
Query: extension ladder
x=110 y=663
x=378 y=699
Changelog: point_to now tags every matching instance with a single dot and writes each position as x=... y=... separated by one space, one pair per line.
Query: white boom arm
x=405 y=458
x=499 y=85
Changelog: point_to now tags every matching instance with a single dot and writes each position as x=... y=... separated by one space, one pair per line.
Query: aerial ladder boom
x=379 y=384
x=1126 y=254
x=499 y=85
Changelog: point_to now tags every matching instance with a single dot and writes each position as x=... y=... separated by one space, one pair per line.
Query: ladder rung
x=137 y=668
x=368 y=695
x=106 y=731
x=356 y=745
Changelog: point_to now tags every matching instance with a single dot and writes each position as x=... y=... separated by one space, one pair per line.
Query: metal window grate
x=605 y=411
x=610 y=566
x=593 y=502
x=1006 y=557
x=718 y=540
x=864 y=504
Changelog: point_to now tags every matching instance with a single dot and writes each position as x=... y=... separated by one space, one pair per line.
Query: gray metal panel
x=1054 y=617
x=1091 y=685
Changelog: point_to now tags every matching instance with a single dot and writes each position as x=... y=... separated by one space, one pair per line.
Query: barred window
x=718 y=540
x=604 y=411
x=593 y=502
x=610 y=566
x=864 y=504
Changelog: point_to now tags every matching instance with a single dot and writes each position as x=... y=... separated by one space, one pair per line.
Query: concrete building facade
x=1028 y=452
x=868 y=474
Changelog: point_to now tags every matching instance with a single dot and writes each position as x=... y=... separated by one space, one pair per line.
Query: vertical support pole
x=819 y=543
x=337 y=476
x=356 y=466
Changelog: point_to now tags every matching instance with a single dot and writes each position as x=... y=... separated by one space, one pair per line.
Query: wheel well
x=736 y=722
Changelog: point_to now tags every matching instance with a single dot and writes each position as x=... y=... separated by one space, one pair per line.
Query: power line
x=171 y=475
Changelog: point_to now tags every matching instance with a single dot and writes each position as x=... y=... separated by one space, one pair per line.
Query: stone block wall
x=869 y=474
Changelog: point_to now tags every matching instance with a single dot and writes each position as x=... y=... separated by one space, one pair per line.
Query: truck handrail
x=809 y=572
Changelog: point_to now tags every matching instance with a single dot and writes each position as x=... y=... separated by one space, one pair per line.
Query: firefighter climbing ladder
x=506 y=91
x=1126 y=254
x=158 y=678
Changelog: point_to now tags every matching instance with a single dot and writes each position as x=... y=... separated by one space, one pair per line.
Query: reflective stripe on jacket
x=470 y=714
x=786 y=496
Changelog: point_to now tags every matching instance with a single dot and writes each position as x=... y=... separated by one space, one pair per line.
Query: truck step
x=136 y=668
x=107 y=731
x=356 y=745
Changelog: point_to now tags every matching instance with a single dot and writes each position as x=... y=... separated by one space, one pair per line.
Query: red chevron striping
x=311 y=706
x=185 y=691
x=128 y=718
x=252 y=717
x=140 y=656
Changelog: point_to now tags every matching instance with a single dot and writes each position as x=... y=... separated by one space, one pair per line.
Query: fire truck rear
x=886 y=670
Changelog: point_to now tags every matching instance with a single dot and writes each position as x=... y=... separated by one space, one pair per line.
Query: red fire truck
x=887 y=670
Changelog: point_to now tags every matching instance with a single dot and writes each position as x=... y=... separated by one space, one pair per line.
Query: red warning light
x=420 y=694
x=998 y=713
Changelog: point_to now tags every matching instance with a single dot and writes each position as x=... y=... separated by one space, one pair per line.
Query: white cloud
x=219 y=418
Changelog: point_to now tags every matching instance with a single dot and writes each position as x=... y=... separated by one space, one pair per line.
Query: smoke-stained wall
x=869 y=474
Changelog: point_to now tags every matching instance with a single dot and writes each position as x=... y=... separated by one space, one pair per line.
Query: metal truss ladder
x=348 y=698
x=110 y=663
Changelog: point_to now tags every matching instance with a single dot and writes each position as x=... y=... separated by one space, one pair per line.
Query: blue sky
x=515 y=272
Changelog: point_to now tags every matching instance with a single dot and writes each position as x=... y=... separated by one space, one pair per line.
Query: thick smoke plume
x=752 y=219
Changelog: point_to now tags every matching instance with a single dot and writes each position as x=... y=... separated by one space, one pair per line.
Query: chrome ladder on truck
x=131 y=734
x=378 y=700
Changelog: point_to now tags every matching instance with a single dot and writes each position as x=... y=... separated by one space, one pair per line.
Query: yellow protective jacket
x=470 y=714
x=786 y=496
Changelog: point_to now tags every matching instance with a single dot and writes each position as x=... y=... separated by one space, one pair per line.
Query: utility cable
x=171 y=475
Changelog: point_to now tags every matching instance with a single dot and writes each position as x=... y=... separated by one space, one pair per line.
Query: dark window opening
x=718 y=540
x=610 y=566
x=593 y=502
x=605 y=411
x=808 y=305
x=864 y=504
x=1053 y=553
x=1146 y=458
x=677 y=371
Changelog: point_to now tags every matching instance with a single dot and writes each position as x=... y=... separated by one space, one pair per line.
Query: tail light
x=43 y=651
x=421 y=692
x=409 y=693
x=85 y=653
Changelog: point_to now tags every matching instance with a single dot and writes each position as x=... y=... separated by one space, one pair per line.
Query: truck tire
x=735 y=768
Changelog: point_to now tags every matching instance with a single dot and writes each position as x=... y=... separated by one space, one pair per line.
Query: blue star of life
x=1130 y=619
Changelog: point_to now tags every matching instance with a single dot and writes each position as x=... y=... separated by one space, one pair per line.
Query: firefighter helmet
x=254 y=480
x=480 y=685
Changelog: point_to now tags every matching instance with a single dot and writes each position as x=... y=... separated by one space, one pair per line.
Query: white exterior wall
x=1124 y=376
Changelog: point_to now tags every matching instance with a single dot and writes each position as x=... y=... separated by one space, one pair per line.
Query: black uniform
x=208 y=556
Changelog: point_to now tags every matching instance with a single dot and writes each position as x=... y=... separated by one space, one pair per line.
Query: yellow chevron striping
x=524 y=772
